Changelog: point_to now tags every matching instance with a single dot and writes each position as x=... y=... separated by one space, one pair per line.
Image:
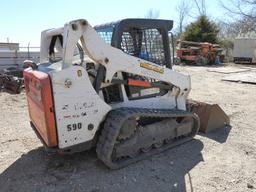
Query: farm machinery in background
x=198 y=53
x=11 y=83
x=11 y=79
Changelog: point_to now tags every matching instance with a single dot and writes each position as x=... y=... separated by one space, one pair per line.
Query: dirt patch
x=224 y=160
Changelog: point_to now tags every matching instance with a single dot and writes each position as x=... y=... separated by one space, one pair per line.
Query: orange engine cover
x=40 y=105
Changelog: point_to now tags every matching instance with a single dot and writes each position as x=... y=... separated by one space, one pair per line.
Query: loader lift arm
x=113 y=60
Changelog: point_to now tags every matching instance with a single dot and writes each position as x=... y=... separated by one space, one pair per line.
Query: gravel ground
x=224 y=160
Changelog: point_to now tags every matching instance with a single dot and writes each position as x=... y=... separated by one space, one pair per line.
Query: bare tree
x=229 y=30
x=241 y=8
x=152 y=14
x=182 y=9
x=200 y=5
x=243 y=13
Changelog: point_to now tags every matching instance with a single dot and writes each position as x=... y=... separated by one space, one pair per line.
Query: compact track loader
x=119 y=95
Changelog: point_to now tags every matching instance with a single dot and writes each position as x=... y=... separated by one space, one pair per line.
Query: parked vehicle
x=198 y=53
x=244 y=50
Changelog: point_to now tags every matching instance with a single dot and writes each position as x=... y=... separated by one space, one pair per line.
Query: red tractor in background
x=199 y=53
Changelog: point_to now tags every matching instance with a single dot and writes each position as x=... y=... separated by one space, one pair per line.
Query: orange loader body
x=40 y=105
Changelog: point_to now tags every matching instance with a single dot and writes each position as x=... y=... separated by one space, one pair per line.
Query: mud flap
x=211 y=115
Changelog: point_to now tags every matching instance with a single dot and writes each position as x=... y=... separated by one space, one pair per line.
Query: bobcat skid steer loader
x=127 y=102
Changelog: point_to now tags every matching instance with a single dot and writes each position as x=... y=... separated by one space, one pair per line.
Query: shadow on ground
x=219 y=135
x=37 y=171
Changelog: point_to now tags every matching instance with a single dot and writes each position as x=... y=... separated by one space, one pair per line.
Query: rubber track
x=117 y=117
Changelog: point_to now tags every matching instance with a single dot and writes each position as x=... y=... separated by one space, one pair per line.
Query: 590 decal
x=74 y=126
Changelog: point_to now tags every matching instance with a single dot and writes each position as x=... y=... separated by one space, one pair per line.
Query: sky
x=23 y=20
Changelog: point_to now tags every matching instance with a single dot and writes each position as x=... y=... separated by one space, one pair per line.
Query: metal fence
x=15 y=58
